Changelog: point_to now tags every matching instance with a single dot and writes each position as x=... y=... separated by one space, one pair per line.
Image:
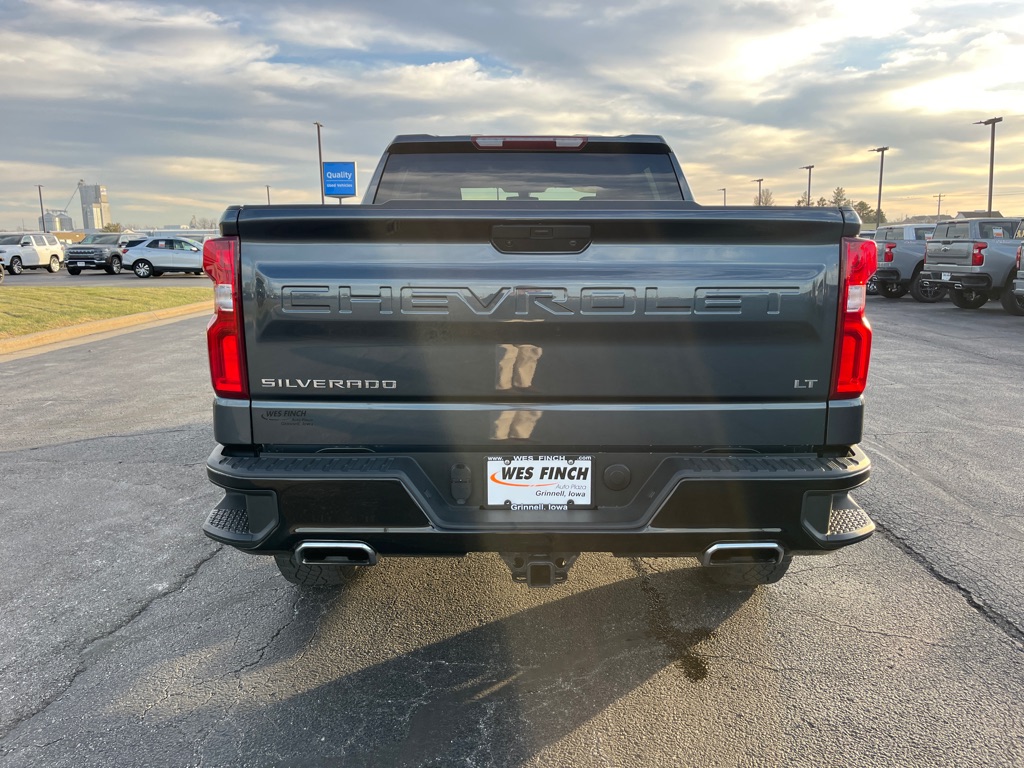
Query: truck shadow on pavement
x=496 y=694
x=242 y=669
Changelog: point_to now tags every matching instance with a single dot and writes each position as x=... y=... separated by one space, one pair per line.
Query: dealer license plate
x=947 y=275
x=539 y=482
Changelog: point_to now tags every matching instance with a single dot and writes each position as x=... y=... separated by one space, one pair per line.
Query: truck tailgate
x=678 y=327
x=950 y=252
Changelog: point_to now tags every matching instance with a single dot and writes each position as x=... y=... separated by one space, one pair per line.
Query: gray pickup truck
x=538 y=347
x=976 y=260
x=900 y=260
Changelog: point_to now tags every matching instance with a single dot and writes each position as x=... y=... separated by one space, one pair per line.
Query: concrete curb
x=20 y=343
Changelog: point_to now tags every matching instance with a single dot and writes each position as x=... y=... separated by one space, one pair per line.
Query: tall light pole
x=268 y=194
x=722 y=190
x=991 y=156
x=758 y=189
x=881 y=167
x=808 y=168
x=319 y=154
x=42 y=213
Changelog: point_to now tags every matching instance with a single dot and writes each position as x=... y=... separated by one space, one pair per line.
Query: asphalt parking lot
x=131 y=639
x=97 y=277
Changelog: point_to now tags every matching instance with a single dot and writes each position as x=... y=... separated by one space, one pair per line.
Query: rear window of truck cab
x=996 y=229
x=525 y=176
x=959 y=231
x=889 y=233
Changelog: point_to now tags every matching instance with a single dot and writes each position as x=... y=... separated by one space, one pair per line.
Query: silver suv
x=901 y=250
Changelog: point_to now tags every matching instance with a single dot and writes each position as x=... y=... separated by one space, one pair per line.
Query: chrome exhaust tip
x=335 y=553
x=742 y=553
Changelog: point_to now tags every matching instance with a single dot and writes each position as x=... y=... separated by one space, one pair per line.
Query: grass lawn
x=31 y=309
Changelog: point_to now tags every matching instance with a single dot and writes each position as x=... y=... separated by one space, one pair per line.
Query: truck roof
x=422 y=142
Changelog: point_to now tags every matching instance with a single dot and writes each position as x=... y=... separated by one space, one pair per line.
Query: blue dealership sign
x=339 y=179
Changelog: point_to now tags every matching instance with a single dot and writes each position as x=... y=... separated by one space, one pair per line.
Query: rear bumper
x=887 y=275
x=674 y=505
x=975 y=281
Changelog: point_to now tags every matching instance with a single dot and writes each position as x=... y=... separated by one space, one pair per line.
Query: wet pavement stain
x=678 y=643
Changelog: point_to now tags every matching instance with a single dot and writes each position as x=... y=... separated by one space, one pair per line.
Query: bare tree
x=766 y=198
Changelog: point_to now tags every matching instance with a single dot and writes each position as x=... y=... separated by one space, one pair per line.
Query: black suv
x=102 y=251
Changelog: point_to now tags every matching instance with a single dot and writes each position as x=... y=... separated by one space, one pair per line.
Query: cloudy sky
x=182 y=109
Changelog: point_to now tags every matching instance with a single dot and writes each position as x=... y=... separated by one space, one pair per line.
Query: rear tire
x=54 y=265
x=1012 y=304
x=926 y=294
x=892 y=290
x=314 y=575
x=967 y=298
x=750 y=575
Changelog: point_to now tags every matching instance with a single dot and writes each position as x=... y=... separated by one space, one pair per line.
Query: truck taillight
x=889 y=255
x=224 y=337
x=978 y=255
x=529 y=142
x=1020 y=254
x=853 y=331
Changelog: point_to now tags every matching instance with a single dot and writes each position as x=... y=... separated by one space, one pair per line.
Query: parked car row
x=974 y=261
x=111 y=252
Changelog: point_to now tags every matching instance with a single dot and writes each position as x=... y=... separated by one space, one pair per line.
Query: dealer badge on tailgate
x=539 y=482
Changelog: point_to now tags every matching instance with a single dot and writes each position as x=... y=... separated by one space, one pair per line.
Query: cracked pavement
x=130 y=639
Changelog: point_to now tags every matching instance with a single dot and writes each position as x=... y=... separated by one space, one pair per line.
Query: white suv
x=23 y=251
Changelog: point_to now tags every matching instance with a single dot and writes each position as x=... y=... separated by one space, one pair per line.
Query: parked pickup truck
x=976 y=260
x=900 y=260
x=537 y=346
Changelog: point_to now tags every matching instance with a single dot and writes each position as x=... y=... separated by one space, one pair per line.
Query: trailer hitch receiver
x=543 y=569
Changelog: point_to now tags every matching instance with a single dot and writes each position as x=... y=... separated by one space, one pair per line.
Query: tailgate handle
x=540 y=238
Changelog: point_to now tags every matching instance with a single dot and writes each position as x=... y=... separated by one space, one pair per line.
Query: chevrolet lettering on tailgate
x=383 y=300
